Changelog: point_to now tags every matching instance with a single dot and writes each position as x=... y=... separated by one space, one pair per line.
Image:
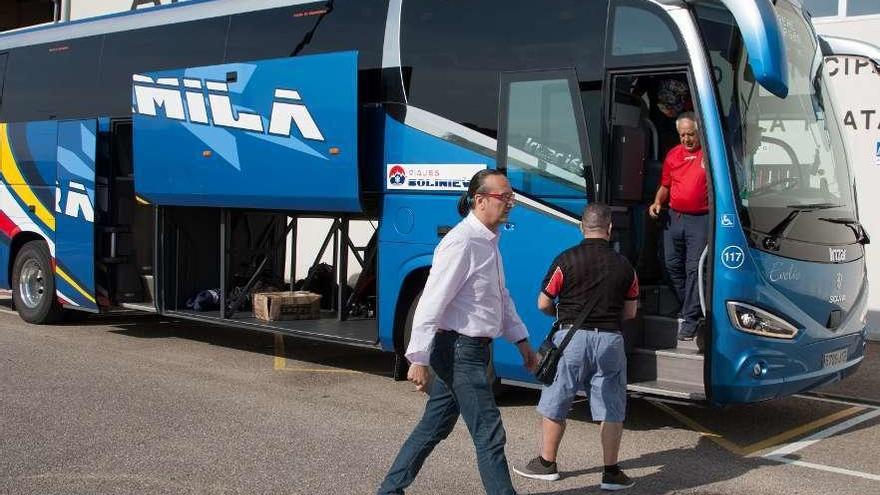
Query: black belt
x=482 y=340
x=689 y=214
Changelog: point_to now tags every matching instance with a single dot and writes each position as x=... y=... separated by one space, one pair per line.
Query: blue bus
x=159 y=160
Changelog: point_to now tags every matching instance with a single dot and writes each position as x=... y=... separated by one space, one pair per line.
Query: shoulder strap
x=581 y=317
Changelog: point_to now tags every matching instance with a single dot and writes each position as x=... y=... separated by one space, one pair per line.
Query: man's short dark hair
x=596 y=217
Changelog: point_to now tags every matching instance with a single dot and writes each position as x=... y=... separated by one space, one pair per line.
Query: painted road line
x=801 y=430
x=321 y=370
x=845 y=402
x=816 y=437
x=7 y=311
x=763 y=444
x=280 y=361
x=714 y=437
x=779 y=454
x=828 y=469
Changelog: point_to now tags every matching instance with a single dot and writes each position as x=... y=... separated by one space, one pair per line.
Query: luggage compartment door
x=270 y=134
x=75 y=214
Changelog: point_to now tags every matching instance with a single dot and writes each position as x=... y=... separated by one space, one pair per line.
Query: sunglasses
x=506 y=197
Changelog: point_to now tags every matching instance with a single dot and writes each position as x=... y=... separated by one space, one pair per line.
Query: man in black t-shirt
x=594 y=359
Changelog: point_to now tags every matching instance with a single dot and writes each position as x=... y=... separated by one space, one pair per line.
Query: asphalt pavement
x=144 y=405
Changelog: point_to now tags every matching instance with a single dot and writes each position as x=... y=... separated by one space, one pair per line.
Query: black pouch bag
x=549 y=354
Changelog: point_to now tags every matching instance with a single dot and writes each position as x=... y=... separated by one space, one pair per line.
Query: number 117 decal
x=733 y=257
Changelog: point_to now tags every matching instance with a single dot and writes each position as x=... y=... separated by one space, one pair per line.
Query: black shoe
x=684 y=333
x=535 y=469
x=618 y=481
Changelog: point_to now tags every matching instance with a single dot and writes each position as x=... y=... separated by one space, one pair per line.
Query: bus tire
x=33 y=285
x=401 y=365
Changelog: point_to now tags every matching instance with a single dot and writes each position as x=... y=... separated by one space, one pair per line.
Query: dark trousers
x=460 y=386
x=684 y=239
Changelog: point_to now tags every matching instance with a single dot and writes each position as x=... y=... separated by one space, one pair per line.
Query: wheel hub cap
x=32 y=285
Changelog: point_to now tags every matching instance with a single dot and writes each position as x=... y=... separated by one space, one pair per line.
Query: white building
x=856 y=89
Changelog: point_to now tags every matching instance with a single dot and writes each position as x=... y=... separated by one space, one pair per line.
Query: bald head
x=596 y=221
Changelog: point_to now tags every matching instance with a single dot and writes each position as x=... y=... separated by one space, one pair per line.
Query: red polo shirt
x=685 y=176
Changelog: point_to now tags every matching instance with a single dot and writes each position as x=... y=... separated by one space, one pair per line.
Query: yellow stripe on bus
x=12 y=176
x=73 y=284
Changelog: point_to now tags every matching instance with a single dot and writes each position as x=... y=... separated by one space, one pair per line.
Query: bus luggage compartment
x=278 y=134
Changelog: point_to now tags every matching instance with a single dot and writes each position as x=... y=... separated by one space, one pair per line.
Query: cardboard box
x=298 y=305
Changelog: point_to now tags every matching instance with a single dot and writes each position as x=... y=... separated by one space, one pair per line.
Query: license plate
x=834 y=358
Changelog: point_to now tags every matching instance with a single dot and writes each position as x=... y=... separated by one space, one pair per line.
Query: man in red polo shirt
x=683 y=186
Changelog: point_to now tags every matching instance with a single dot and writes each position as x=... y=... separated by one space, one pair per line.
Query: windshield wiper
x=782 y=227
x=813 y=206
x=857 y=228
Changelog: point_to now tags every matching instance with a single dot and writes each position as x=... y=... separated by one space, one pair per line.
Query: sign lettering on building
x=84 y=9
x=136 y=4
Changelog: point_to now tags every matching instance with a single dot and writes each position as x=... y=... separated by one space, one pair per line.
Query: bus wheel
x=401 y=365
x=33 y=285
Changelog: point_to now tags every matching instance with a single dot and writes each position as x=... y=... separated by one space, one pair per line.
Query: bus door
x=641 y=121
x=125 y=223
x=643 y=108
x=75 y=214
x=542 y=145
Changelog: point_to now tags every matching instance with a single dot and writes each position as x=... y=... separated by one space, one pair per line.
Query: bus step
x=675 y=365
x=689 y=391
x=660 y=332
x=142 y=307
x=658 y=300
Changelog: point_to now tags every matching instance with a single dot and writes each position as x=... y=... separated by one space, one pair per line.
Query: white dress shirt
x=465 y=292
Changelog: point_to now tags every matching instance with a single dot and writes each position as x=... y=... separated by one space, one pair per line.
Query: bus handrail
x=700 y=272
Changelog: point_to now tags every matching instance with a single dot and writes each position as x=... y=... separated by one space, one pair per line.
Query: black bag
x=549 y=354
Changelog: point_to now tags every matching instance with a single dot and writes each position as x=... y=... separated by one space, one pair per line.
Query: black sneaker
x=618 y=481
x=535 y=469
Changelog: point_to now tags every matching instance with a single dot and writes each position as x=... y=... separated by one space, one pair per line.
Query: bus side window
x=642 y=34
x=172 y=46
x=543 y=142
x=452 y=55
x=52 y=81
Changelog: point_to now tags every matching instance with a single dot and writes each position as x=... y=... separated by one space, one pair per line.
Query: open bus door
x=232 y=156
x=273 y=134
x=543 y=146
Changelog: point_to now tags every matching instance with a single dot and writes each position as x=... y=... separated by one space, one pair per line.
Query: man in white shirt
x=464 y=305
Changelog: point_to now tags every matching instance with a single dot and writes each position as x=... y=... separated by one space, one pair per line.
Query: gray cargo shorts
x=594 y=362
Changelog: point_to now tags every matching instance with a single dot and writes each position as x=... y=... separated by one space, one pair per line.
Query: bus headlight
x=749 y=319
x=863 y=316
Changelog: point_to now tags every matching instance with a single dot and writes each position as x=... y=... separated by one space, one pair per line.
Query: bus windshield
x=787 y=153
